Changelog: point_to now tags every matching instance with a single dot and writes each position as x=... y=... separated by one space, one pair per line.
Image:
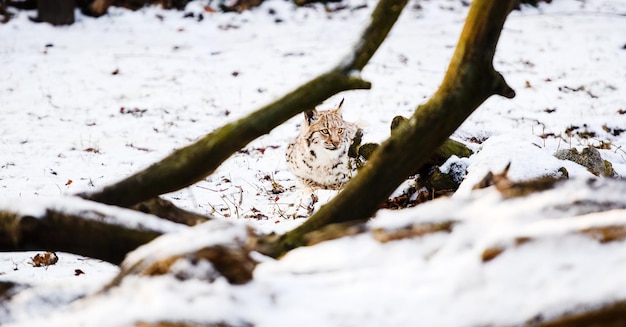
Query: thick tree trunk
x=469 y=81
x=194 y=162
x=56 y=12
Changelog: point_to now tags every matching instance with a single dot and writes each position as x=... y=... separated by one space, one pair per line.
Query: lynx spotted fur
x=318 y=157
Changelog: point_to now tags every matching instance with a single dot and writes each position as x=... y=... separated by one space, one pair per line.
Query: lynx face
x=319 y=155
x=327 y=129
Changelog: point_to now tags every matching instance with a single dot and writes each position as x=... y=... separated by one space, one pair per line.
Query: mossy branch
x=469 y=81
x=60 y=231
x=191 y=164
x=167 y=210
x=383 y=19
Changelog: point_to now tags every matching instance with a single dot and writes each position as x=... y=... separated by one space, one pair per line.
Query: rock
x=589 y=157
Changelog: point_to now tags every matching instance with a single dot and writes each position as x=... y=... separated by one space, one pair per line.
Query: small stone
x=589 y=157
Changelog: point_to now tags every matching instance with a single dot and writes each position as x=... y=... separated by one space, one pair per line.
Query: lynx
x=318 y=157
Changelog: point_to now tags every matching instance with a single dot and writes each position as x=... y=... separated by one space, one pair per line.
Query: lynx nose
x=331 y=145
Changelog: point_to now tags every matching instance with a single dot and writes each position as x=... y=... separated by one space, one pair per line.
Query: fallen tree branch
x=224 y=246
x=613 y=314
x=87 y=230
x=167 y=210
x=102 y=233
x=191 y=164
x=469 y=81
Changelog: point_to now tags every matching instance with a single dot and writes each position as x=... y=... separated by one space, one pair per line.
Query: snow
x=208 y=234
x=526 y=162
x=36 y=207
x=50 y=286
x=86 y=105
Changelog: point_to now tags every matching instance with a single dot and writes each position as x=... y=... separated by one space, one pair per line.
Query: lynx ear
x=338 y=109
x=310 y=116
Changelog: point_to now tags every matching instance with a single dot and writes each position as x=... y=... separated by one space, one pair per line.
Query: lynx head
x=327 y=128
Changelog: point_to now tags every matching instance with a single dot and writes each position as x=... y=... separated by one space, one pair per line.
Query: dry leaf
x=44 y=260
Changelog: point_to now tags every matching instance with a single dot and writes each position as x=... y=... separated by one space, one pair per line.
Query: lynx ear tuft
x=338 y=109
x=310 y=116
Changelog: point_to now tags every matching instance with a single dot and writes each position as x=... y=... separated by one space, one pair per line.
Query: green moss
x=608 y=169
x=367 y=149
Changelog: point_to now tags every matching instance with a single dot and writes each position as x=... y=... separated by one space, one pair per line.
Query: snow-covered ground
x=85 y=105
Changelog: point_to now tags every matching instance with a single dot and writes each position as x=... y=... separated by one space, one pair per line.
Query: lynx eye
x=340 y=131
x=325 y=131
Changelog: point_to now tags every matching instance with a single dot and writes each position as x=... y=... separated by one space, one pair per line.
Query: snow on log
x=77 y=226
